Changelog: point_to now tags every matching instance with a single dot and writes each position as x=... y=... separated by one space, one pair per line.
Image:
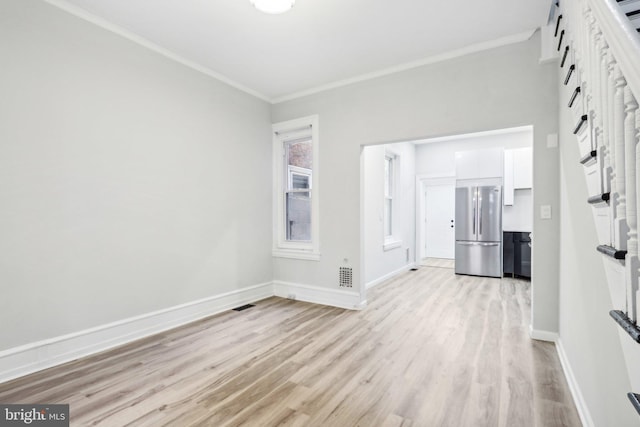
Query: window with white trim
x=391 y=202
x=389 y=184
x=296 y=207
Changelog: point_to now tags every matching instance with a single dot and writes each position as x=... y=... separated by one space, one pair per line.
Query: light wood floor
x=431 y=349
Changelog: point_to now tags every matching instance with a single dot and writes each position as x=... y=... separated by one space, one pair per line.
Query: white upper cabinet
x=518 y=172
x=523 y=168
x=508 y=178
x=479 y=164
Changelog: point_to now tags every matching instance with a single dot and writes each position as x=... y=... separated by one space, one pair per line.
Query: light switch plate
x=552 y=140
x=545 y=212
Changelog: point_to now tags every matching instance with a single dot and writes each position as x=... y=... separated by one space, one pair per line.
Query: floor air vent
x=243 y=307
x=346 y=277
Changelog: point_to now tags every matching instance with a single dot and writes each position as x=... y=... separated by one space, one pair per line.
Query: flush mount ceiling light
x=273 y=6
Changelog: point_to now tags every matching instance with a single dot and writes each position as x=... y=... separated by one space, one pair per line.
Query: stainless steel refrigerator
x=479 y=230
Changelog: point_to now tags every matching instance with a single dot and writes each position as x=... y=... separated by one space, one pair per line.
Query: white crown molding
x=103 y=23
x=478 y=47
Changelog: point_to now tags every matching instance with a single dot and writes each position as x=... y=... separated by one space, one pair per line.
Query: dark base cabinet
x=516 y=255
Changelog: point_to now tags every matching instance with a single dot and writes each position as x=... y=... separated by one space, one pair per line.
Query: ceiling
x=318 y=42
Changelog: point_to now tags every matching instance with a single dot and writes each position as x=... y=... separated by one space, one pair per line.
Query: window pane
x=300 y=154
x=388 y=176
x=298 y=216
x=387 y=217
x=299 y=181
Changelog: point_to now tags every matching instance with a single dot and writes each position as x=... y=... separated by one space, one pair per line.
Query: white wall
x=378 y=262
x=438 y=158
x=495 y=89
x=519 y=216
x=588 y=336
x=129 y=183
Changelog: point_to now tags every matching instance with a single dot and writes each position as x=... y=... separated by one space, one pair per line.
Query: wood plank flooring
x=431 y=349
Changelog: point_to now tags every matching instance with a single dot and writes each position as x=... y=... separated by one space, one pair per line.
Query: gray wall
x=587 y=333
x=129 y=183
x=438 y=158
x=495 y=89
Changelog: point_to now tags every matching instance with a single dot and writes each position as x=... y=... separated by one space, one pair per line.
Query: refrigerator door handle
x=474 y=219
x=478 y=244
x=480 y=215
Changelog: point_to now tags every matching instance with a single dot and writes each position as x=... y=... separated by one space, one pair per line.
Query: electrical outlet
x=291 y=296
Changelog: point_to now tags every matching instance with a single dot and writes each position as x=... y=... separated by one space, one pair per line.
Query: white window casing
x=296 y=184
x=391 y=201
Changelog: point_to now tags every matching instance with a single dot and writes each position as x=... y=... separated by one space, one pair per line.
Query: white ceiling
x=318 y=42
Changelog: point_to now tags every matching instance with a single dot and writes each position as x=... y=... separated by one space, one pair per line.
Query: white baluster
x=590 y=61
x=617 y=129
x=632 y=133
x=606 y=108
x=594 y=90
x=632 y=157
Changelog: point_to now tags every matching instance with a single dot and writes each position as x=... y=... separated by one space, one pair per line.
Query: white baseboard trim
x=19 y=361
x=540 y=335
x=578 y=398
x=319 y=295
x=388 y=276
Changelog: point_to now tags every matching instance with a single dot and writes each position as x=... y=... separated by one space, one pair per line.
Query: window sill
x=391 y=244
x=296 y=254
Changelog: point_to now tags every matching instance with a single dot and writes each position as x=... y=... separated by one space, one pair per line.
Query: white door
x=439 y=215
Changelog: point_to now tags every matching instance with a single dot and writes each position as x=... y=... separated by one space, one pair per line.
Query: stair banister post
x=604 y=106
x=576 y=26
x=617 y=129
x=632 y=149
x=632 y=128
x=591 y=57
x=593 y=88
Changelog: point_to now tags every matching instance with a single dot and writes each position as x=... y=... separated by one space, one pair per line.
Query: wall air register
x=346 y=277
x=243 y=307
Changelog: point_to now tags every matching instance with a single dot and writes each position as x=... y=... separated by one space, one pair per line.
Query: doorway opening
x=436 y=231
x=408 y=193
x=502 y=159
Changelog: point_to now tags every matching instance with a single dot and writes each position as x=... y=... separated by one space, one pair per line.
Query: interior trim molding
x=541 y=335
x=388 y=276
x=106 y=25
x=319 y=295
x=474 y=48
x=23 y=360
x=576 y=393
x=129 y=35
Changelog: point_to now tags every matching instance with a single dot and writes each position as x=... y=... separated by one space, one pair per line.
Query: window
x=295 y=165
x=389 y=183
x=297 y=192
x=390 y=213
